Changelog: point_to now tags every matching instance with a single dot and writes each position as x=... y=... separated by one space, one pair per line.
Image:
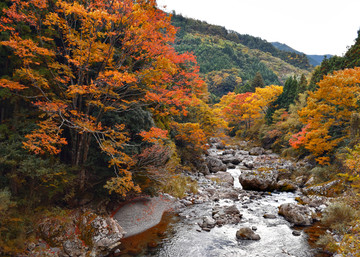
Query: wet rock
x=226 y=215
x=214 y=164
x=296 y=214
x=247 y=234
x=224 y=178
x=269 y=216
x=231 y=210
x=258 y=180
x=286 y=185
x=296 y=233
x=256 y=151
x=207 y=222
x=254 y=228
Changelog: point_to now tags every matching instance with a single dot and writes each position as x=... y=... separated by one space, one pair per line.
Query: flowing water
x=180 y=235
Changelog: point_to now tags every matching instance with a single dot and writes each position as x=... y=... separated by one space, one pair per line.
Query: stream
x=181 y=234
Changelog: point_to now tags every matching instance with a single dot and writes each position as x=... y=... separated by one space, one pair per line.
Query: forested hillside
x=241 y=57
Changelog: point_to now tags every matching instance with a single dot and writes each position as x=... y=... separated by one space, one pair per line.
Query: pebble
x=296 y=233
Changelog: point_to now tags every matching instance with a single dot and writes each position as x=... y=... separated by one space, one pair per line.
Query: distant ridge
x=314 y=60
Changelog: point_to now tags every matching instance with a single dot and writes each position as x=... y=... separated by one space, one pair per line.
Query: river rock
x=256 y=151
x=203 y=168
x=79 y=234
x=296 y=214
x=228 y=152
x=258 y=180
x=224 y=178
x=230 y=166
x=247 y=234
x=215 y=164
x=74 y=247
x=242 y=152
x=269 y=216
x=313 y=200
x=231 y=159
x=296 y=233
x=249 y=164
x=286 y=185
x=330 y=188
x=226 y=215
x=207 y=222
x=229 y=193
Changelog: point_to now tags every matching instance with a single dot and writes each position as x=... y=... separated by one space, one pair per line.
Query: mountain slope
x=314 y=60
x=235 y=57
x=188 y=25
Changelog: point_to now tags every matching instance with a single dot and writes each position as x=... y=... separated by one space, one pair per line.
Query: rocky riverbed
x=246 y=205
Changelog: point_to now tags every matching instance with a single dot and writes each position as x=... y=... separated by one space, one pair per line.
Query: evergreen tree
x=257 y=81
x=288 y=96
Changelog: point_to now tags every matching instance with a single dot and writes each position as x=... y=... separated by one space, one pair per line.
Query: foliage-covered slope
x=187 y=25
x=218 y=49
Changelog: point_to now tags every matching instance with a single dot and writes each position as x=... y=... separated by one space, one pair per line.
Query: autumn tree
x=247 y=107
x=328 y=113
x=85 y=59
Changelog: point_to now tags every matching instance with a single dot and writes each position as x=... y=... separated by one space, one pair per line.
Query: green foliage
x=216 y=54
x=193 y=26
x=290 y=93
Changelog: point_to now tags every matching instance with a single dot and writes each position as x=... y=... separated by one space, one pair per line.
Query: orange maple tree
x=328 y=113
x=87 y=58
x=247 y=107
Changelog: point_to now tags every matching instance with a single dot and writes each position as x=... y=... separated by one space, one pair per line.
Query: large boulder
x=78 y=234
x=224 y=178
x=247 y=234
x=231 y=159
x=296 y=214
x=215 y=164
x=258 y=180
x=256 y=151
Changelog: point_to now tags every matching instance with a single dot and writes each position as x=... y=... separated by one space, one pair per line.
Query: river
x=179 y=234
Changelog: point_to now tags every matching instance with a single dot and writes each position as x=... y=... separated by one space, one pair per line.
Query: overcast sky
x=310 y=26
